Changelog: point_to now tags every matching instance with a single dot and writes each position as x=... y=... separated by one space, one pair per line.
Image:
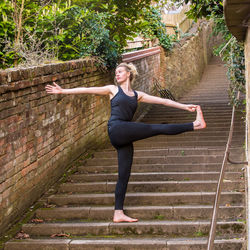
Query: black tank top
x=123 y=106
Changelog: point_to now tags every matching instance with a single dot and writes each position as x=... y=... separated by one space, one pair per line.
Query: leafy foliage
x=36 y=31
x=231 y=52
x=84 y=33
x=61 y=31
x=125 y=17
x=155 y=28
x=203 y=8
x=7 y=29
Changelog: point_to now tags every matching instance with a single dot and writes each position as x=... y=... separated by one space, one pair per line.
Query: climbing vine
x=232 y=53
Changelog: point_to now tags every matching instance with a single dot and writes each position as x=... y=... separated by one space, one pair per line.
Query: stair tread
x=144 y=194
x=138 y=223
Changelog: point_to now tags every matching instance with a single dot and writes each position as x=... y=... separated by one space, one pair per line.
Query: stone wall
x=41 y=134
x=247 y=63
x=182 y=67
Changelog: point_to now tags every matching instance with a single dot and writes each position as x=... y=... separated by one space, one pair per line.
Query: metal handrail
x=164 y=92
x=211 y=238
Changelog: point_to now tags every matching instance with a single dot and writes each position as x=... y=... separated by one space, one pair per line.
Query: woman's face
x=121 y=74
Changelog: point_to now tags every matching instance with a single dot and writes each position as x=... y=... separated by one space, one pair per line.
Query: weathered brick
x=29 y=168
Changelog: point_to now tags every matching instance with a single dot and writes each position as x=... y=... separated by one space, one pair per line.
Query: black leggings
x=122 y=134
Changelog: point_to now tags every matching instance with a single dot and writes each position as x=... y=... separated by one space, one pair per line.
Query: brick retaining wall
x=41 y=134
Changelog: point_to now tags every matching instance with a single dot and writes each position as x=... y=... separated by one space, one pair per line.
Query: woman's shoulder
x=113 y=89
x=139 y=93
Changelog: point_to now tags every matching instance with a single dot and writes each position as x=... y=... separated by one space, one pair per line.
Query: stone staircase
x=171 y=189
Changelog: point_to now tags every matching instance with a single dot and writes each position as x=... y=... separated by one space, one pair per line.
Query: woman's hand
x=56 y=89
x=191 y=107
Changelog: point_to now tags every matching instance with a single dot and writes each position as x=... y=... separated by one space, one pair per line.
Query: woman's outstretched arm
x=143 y=97
x=105 y=90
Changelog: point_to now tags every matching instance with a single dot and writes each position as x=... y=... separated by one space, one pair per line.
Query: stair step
x=156 y=176
x=155 y=144
x=161 y=160
x=151 y=198
x=122 y=243
x=139 y=168
x=170 y=152
x=227 y=115
x=190 y=118
x=150 y=186
x=166 y=228
x=188 y=212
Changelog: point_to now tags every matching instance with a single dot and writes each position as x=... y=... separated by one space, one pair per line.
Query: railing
x=210 y=244
x=164 y=92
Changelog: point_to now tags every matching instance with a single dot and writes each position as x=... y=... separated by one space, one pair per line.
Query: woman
x=122 y=132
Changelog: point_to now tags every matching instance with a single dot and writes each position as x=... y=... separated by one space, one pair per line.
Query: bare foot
x=199 y=123
x=119 y=216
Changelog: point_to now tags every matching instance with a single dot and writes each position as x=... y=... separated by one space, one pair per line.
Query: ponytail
x=130 y=67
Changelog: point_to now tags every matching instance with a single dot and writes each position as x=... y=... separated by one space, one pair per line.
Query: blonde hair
x=130 y=67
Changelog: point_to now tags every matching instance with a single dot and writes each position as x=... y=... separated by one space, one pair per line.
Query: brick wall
x=41 y=134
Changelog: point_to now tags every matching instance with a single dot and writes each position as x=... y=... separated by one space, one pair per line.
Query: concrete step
x=227 y=115
x=212 y=116
x=170 y=152
x=156 y=176
x=181 y=139
x=207 y=112
x=215 y=123
x=208 y=107
x=191 y=138
x=150 y=198
x=154 y=144
x=151 y=186
x=160 y=160
x=188 y=212
x=142 y=168
x=123 y=244
x=166 y=228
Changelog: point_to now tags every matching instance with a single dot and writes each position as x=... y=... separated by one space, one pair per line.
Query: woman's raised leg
x=124 y=132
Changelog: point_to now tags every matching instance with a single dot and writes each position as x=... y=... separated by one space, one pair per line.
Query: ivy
x=232 y=53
